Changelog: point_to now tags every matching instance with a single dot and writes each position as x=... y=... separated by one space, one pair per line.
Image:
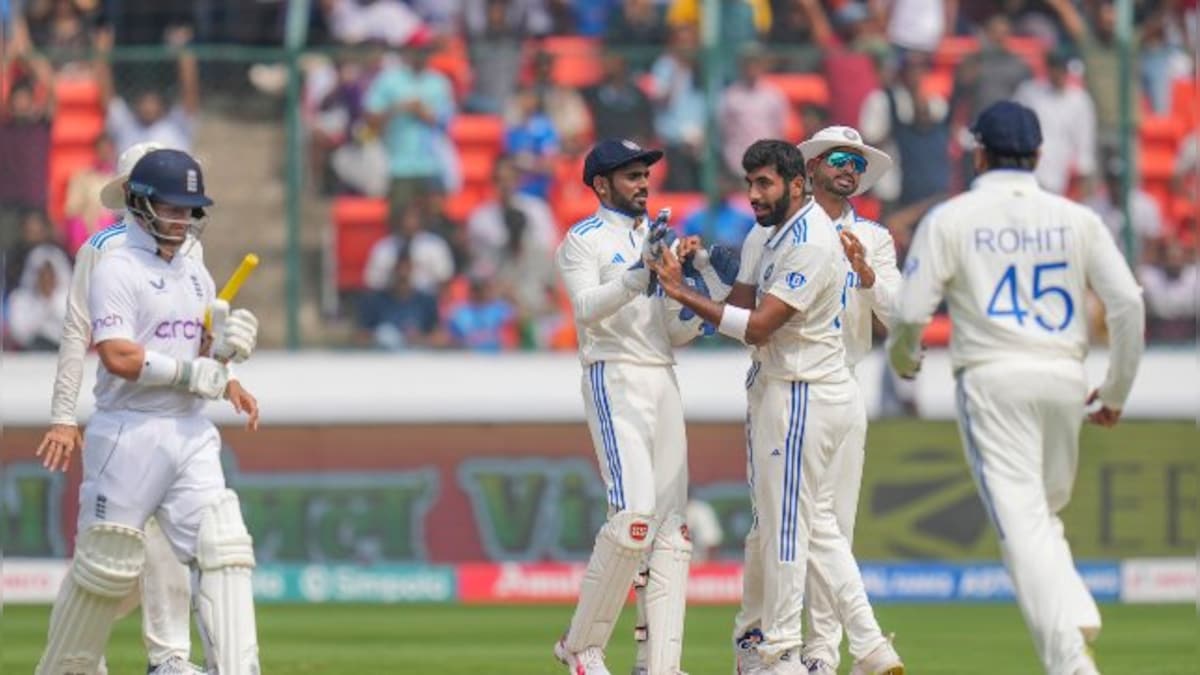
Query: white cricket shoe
x=819 y=667
x=789 y=663
x=587 y=662
x=883 y=660
x=176 y=666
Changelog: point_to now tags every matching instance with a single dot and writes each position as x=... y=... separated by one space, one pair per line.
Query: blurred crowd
x=469 y=119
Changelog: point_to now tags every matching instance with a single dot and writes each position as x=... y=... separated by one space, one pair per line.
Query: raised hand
x=856 y=253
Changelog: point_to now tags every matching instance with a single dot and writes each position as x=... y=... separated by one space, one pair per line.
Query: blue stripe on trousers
x=616 y=495
x=792 y=474
x=976 y=457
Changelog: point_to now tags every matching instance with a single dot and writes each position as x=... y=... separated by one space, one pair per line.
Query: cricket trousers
x=795 y=433
x=1020 y=423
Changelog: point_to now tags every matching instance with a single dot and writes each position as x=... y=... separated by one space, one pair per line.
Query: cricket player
x=840 y=165
x=147 y=449
x=1014 y=263
x=803 y=404
x=165 y=587
x=634 y=413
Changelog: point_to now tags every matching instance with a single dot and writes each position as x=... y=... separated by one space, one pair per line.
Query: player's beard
x=778 y=211
x=830 y=184
x=627 y=205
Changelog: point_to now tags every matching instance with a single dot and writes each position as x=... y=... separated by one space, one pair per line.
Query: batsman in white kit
x=148 y=450
x=802 y=406
x=626 y=337
x=1014 y=263
x=165 y=585
x=840 y=165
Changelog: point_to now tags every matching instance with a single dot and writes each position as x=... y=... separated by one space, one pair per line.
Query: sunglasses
x=840 y=158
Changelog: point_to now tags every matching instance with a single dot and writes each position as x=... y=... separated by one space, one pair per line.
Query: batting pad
x=666 y=594
x=223 y=596
x=620 y=546
x=108 y=560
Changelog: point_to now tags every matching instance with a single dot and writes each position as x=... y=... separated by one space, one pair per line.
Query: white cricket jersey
x=803 y=264
x=1014 y=263
x=77 y=328
x=613 y=322
x=160 y=305
x=879 y=299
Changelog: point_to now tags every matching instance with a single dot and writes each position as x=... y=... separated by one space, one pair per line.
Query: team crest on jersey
x=197 y=287
x=795 y=280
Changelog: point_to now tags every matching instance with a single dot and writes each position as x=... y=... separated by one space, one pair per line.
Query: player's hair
x=786 y=158
x=997 y=160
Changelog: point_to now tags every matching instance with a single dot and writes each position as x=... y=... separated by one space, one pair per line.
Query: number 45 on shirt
x=1042 y=286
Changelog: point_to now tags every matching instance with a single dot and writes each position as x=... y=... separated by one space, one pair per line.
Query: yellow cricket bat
x=230 y=290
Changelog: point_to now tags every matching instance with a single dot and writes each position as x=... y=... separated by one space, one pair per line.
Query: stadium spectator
x=38 y=305
x=532 y=141
x=917 y=25
x=150 y=119
x=389 y=21
x=61 y=27
x=1108 y=200
x=485 y=322
x=496 y=60
x=751 y=108
x=638 y=26
x=680 y=117
x=400 y=316
x=741 y=21
x=83 y=212
x=26 y=108
x=1068 y=120
x=561 y=104
x=853 y=53
x=526 y=18
x=620 y=109
x=410 y=105
x=430 y=256
x=1170 y=291
x=32 y=231
x=725 y=221
x=988 y=75
x=914 y=128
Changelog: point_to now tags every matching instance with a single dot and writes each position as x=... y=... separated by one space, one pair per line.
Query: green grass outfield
x=449 y=640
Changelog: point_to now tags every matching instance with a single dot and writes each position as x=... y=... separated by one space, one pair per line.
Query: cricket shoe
x=819 y=667
x=175 y=666
x=747 y=659
x=883 y=660
x=639 y=670
x=587 y=662
x=789 y=663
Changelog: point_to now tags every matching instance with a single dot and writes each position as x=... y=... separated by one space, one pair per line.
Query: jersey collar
x=137 y=236
x=622 y=219
x=1005 y=177
x=773 y=242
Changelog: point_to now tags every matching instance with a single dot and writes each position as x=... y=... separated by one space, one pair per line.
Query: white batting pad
x=223 y=595
x=108 y=560
x=166 y=593
x=640 y=635
x=666 y=594
x=619 y=548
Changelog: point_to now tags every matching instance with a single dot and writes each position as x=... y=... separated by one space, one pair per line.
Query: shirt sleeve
x=112 y=301
x=887 y=277
x=1124 y=314
x=752 y=249
x=377 y=273
x=804 y=272
x=928 y=267
x=591 y=300
x=75 y=338
x=379 y=95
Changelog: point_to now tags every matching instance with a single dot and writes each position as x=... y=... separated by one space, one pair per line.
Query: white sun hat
x=112 y=195
x=878 y=161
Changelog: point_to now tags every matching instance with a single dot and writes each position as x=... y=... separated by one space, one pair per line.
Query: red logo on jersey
x=639 y=530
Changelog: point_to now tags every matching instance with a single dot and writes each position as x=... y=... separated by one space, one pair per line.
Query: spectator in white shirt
x=1144 y=212
x=38 y=306
x=918 y=24
x=1170 y=291
x=1068 y=119
x=150 y=119
x=430 y=255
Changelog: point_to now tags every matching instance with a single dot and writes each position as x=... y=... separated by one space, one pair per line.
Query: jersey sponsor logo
x=188 y=329
x=107 y=322
x=639 y=530
x=796 y=280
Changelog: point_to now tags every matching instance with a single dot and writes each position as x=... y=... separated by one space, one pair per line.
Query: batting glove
x=235 y=335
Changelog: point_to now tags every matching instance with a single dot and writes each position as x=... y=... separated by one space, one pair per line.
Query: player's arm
x=752 y=327
x=591 y=300
x=112 y=302
x=1124 y=316
x=886 y=289
x=63 y=436
x=745 y=288
x=925 y=276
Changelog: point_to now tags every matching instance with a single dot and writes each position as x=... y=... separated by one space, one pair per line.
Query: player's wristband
x=160 y=370
x=734 y=321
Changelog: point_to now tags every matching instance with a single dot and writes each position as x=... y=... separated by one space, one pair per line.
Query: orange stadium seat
x=1033 y=50
x=801 y=89
x=1160 y=131
x=683 y=204
x=577 y=60
x=63 y=164
x=478 y=131
x=358 y=222
x=77 y=93
x=1184 y=105
x=939 y=83
x=1156 y=163
x=460 y=205
x=952 y=50
x=476 y=165
x=454 y=61
x=76 y=128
